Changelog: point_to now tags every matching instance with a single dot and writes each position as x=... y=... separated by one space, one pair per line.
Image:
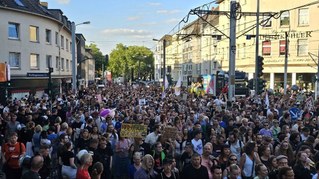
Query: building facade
x=35 y=38
x=205 y=50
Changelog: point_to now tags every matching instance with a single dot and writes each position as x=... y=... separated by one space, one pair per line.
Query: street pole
x=232 y=50
x=257 y=48
x=286 y=62
x=73 y=59
x=317 y=81
x=164 y=63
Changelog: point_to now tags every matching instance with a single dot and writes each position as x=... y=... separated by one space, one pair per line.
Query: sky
x=130 y=22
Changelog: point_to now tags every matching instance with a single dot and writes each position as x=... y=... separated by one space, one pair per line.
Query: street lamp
x=164 y=61
x=74 y=62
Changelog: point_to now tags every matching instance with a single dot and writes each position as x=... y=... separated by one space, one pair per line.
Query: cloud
x=126 y=32
x=154 y=4
x=174 y=11
x=133 y=18
x=63 y=1
x=172 y=21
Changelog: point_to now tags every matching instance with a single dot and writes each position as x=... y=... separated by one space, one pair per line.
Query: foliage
x=123 y=60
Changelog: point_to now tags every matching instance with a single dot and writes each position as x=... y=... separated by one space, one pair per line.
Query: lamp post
x=164 y=60
x=74 y=62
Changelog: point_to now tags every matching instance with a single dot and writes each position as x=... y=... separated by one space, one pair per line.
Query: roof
x=35 y=7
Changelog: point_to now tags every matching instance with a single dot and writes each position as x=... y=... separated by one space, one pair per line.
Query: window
x=56 y=38
x=57 y=63
x=303 y=18
x=13 y=31
x=48 y=36
x=67 y=65
x=14 y=60
x=302 y=47
x=48 y=61
x=62 y=64
x=284 y=18
x=34 y=34
x=266 y=22
x=71 y=45
x=266 y=47
x=67 y=44
x=34 y=61
x=62 y=41
x=282 y=47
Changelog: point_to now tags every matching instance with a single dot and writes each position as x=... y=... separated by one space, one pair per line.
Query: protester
x=12 y=152
x=215 y=131
x=36 y=165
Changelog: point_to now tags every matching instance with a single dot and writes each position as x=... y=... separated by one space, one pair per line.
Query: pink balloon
x=105 y=112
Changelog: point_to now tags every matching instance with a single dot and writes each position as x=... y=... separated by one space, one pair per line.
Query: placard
x=133 y=130
x=169 y=132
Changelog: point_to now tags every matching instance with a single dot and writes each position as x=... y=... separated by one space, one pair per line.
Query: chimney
x=44 y=4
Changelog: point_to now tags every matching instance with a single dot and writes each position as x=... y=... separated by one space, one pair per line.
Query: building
x=204 y=50
x=35 y=39
x=302 y=33
x=86 y=63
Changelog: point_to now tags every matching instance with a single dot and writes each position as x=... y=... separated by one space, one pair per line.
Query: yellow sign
x=133 y=130
x=3 y=72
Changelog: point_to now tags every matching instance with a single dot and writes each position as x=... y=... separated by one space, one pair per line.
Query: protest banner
x=169 y=133
x=133 y=130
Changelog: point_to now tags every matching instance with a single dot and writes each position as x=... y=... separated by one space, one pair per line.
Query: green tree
x=100 y=62
x=124 y=59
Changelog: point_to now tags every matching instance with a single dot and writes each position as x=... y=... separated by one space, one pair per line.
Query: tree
x=124 y=59
x=100 y=62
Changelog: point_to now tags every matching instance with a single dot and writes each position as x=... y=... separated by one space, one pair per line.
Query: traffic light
x=261 y=85
x=250 y=84
x=260 y=68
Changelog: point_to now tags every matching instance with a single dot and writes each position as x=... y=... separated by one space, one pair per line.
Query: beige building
x=303 y=35
x=200 y=52
x=35 y=38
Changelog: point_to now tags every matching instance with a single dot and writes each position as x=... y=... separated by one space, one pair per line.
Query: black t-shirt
x=163 y=176
x=30 y=175
x=190 y=172
x=186 y=159
x=65 y=156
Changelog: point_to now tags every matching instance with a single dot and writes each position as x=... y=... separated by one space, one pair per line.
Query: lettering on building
x=281 y=36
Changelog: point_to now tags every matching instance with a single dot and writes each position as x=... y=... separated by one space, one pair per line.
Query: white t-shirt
x=198 y=146
x=151 y=138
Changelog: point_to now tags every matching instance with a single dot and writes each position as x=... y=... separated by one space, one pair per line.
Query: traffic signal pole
x=257 y=49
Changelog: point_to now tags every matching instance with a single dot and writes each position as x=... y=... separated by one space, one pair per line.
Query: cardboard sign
x=141 y=102
x=169 y=132
x=133 y=130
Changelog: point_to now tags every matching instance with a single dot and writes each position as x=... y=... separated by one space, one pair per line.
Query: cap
x=279 y=157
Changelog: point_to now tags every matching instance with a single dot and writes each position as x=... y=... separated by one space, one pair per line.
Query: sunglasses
x=233 y=159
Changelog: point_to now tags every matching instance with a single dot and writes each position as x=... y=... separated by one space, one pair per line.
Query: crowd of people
x=248 y=137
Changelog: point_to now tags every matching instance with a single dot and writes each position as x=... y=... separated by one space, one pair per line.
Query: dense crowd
x=249 y=137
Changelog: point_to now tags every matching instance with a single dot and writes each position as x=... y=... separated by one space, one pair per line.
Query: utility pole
x=317 y=81
x=286 y=62
x=232 y=50
x=257 y=48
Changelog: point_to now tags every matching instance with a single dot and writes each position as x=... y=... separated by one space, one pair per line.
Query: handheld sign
x=295 y=113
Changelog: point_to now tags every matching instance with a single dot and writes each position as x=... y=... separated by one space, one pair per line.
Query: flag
x=178 y=86
x=267 y=100
x=166 y=83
